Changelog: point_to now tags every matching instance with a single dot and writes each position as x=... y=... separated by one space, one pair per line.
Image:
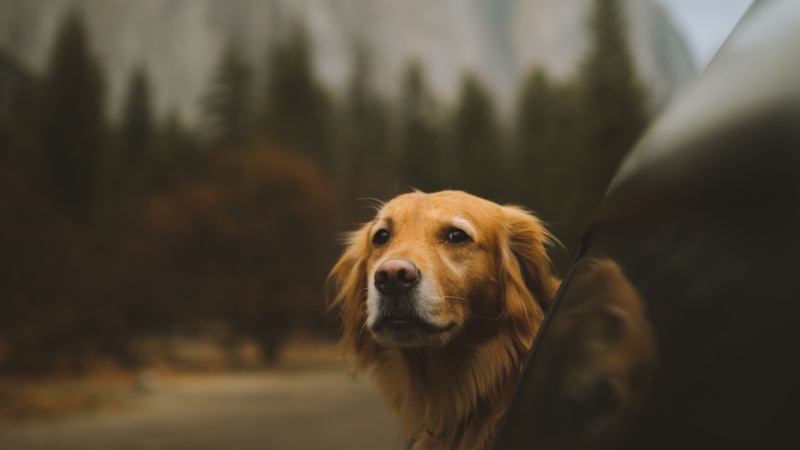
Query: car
x=677 y=324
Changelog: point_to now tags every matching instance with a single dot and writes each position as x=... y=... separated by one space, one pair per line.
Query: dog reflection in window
x=595 y=362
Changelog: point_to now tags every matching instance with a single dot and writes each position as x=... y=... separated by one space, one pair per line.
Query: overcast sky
x=705 y=23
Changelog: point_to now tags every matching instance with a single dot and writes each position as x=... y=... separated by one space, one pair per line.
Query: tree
x=421 y=156
x=227 y=105
x=136 y=128
x=248 y=243
x=476 y=140
x=546 y=130
x=578 y=134
x=73 y=126
x=540 y=136
x=136 y=139
x=177 y=152
x=19 y=104
x=365 y=129
x=296 y=109
x=612 y=99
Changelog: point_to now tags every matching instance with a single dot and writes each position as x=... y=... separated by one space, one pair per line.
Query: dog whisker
x=458 y=298
x=373 y=203
x=486 y=318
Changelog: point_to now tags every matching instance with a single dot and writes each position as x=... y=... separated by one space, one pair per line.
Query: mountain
x=179 y=41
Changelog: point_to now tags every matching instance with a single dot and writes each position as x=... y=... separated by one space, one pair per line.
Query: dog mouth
x=409 y=324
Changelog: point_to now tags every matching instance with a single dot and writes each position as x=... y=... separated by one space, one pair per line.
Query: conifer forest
x=119 y=226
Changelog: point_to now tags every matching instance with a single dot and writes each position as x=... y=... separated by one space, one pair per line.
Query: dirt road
x=309 y=409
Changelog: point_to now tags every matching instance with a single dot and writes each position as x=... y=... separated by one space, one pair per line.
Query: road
x=282 y=410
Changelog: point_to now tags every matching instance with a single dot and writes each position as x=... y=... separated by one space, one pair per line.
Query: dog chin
x=408 y=332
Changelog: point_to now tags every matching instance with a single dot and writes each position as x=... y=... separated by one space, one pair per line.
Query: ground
x=292 y=409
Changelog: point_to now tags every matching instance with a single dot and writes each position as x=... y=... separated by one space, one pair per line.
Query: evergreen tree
x=545 y=139
x=137 y=119
x=126 y=172
x=612 y=98
x=296 y=109
x=176 y=152
x=228 y=103
x=19 y=102
x=590 y=125
x=476 y=140
x=73 y=124
x=365 y=141
x=421 y=155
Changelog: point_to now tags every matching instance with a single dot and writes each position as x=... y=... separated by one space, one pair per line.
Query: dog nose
x=396 y=276
x=602 y=394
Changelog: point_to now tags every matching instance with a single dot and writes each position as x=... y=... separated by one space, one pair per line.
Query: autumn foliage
x=250 y=241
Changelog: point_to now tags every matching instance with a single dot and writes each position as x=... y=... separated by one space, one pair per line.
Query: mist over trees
x=116 y=230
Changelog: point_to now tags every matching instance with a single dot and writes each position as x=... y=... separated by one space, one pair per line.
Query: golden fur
x=485 y=298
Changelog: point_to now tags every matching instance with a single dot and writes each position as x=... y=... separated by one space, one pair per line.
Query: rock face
x=500 y=40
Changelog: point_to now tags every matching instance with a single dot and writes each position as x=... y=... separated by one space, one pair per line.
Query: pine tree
x=549 y=173
x=365 y=130
x=73 y=127
x=476 y=140
x=421 y=151
x=228 y=104
x=596 y=131
x=546 y=140
x=19 y=101
x=176 y=153
x=612 y=98
x=137 y=119
x=296 y=109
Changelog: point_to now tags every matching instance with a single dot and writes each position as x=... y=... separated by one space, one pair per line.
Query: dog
x=441 y=296
x=595 y=362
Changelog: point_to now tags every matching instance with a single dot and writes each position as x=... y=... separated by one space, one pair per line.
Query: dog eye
x=381 y=237
x=457 y=236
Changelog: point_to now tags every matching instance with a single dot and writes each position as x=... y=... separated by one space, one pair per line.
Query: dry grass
x=109 y=388
x=28 y=398
x=303 y=353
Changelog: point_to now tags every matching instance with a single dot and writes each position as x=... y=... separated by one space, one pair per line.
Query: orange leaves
x=256 y=191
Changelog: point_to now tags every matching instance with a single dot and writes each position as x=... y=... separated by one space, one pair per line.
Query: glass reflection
x=596 y=361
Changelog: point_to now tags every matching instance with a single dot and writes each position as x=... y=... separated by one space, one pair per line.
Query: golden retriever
x=441 y=296
x=595 y=363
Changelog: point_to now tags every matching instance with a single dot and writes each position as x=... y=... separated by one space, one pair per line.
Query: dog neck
x=456 y=394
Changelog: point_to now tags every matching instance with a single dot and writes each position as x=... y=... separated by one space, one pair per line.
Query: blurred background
x=175 y=175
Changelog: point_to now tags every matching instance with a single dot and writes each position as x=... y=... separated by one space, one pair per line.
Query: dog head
x=596 y=359
x=430 y=269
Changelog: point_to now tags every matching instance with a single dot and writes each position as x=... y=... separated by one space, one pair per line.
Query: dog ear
x=347 y=291
x=526 y=271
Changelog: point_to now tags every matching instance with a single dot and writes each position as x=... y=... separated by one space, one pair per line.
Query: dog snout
x=396 y=276
x=600 y=395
